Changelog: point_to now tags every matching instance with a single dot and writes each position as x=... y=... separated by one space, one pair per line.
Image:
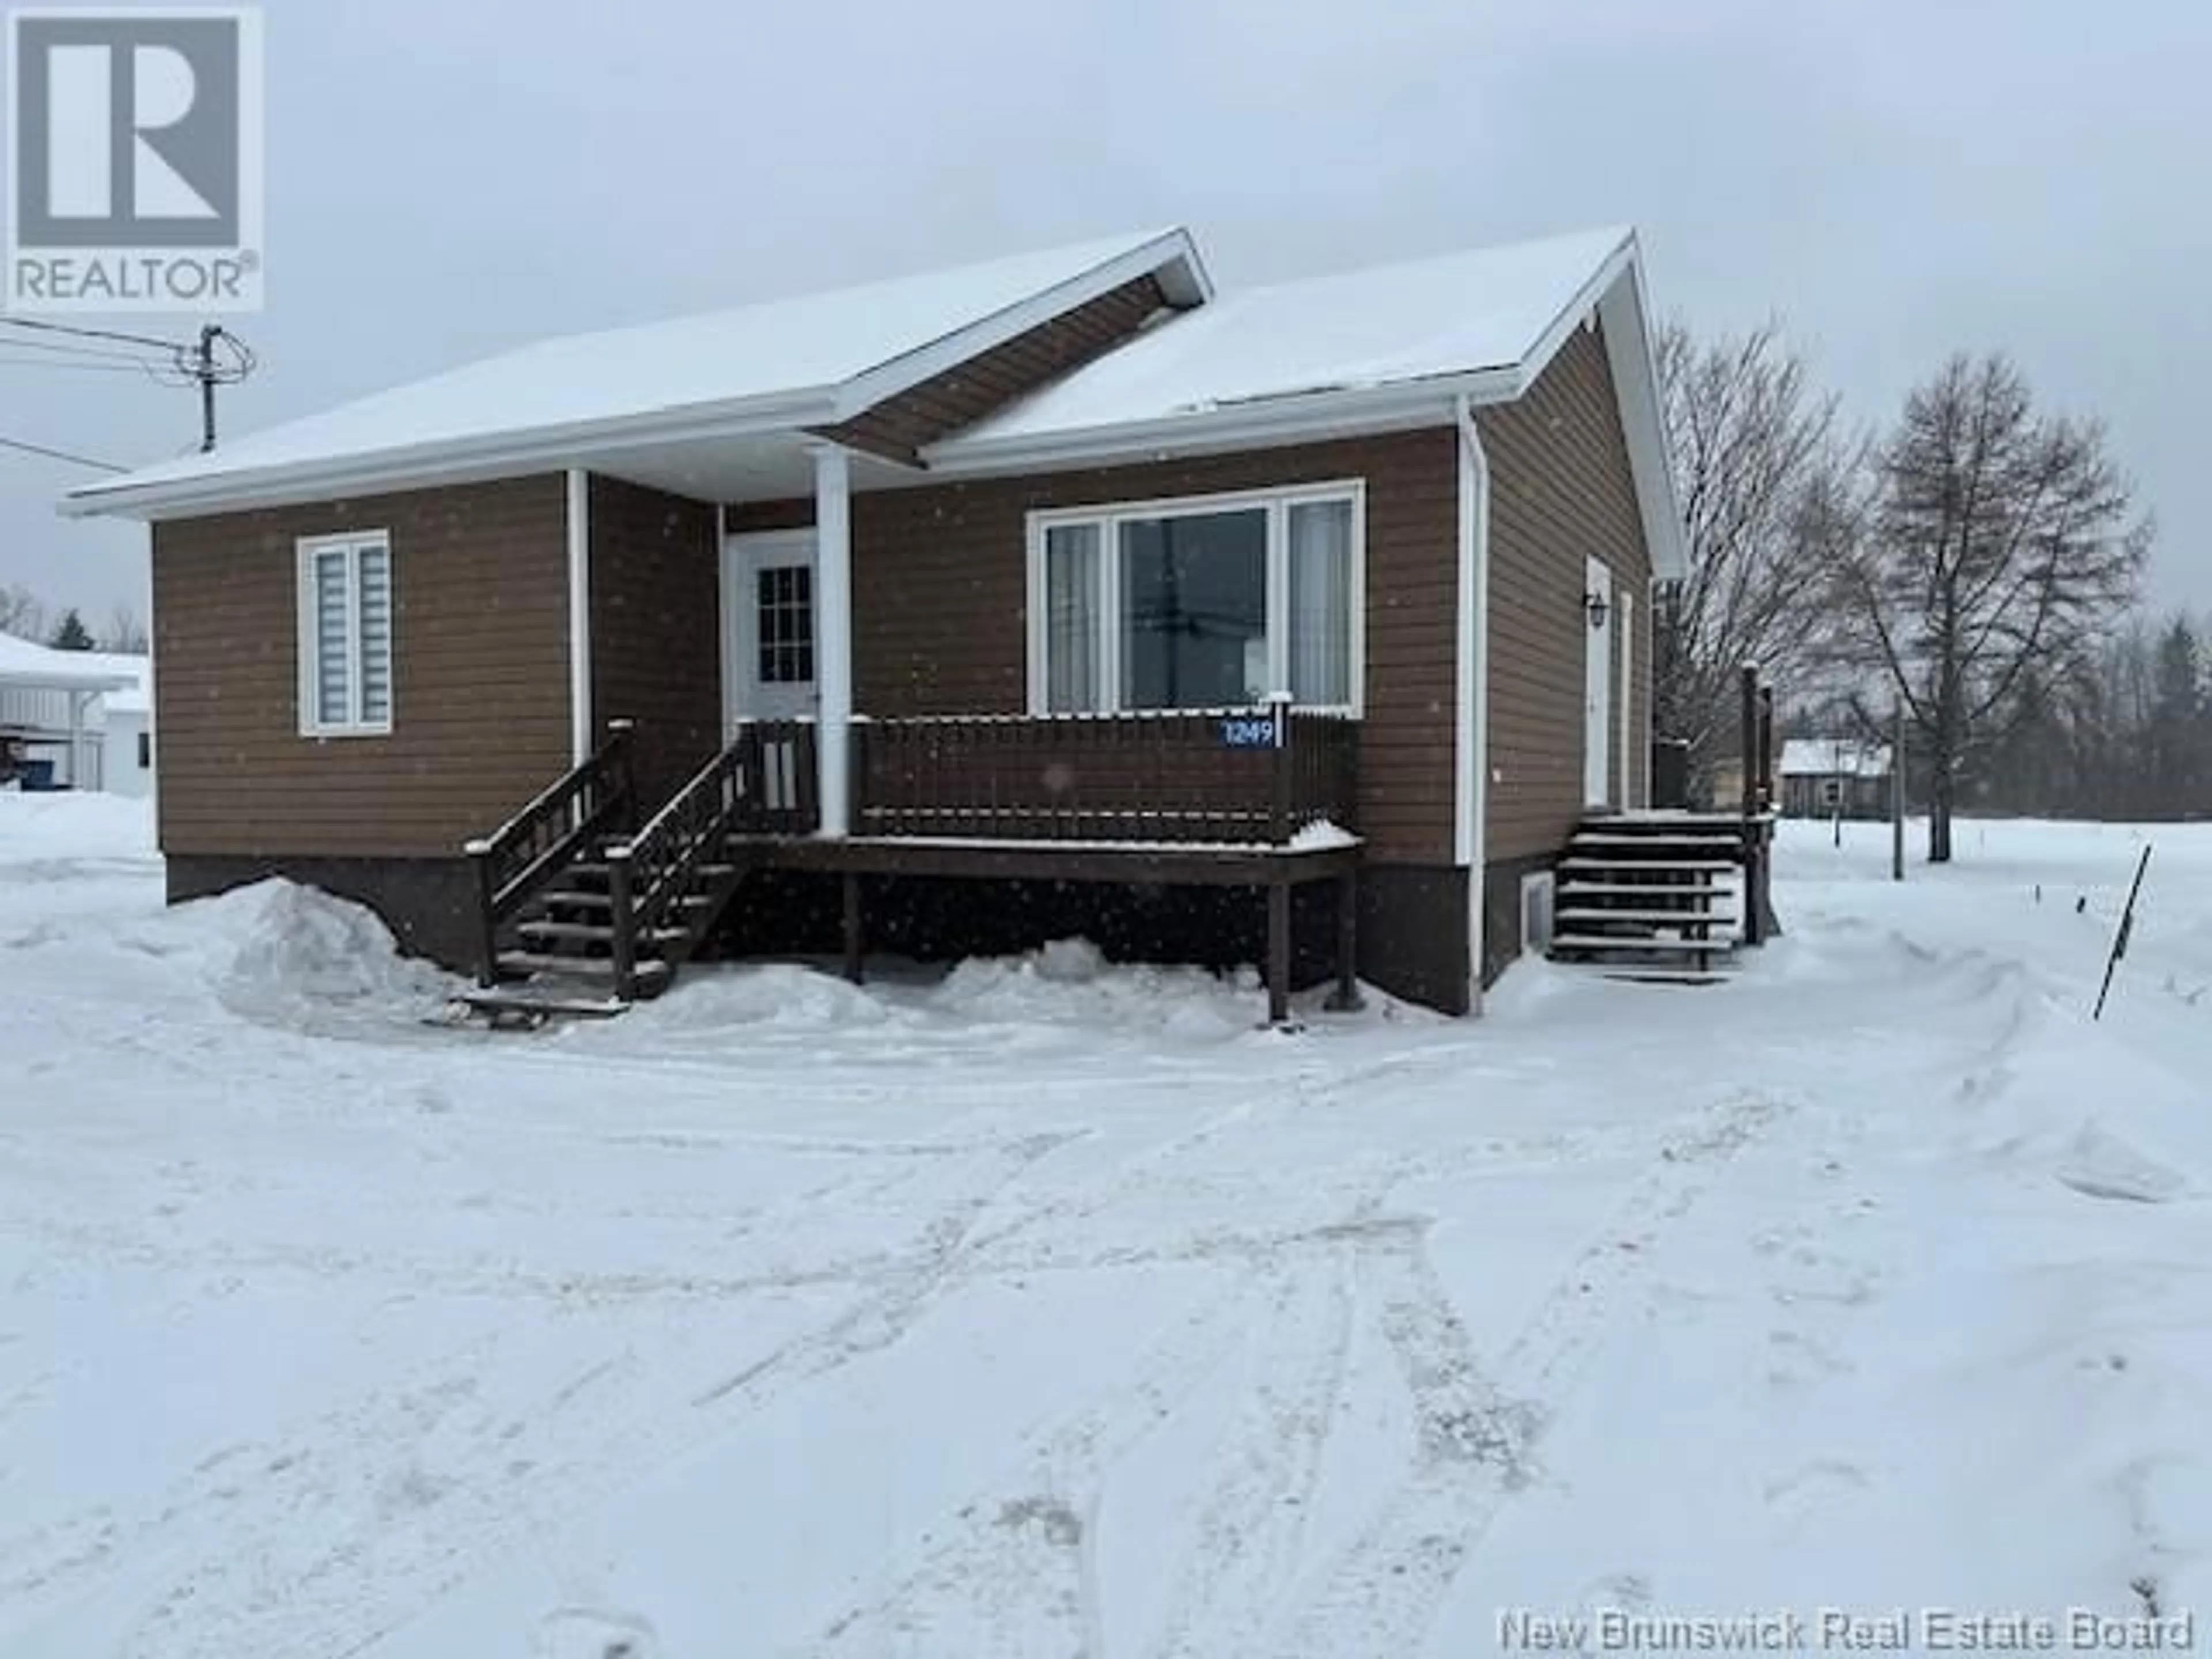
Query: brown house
x=941 y=613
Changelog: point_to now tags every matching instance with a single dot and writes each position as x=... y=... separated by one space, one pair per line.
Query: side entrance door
x=768 y=627
x=1597 y=689
x=767 y=645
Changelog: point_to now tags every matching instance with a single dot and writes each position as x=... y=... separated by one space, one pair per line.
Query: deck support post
x=487 y=917
x=855 y=935
x=1278 y=951
x=833 y=634
x=1346 y=999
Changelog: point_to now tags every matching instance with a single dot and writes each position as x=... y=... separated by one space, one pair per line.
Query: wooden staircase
x=583 y=915
x=1653 y=896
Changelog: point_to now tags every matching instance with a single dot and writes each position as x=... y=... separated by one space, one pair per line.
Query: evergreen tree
x=72 y=634
x=2177 y=739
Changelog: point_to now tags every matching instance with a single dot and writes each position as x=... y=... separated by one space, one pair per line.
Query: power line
x=121 y=365
x=94 y=333
x=60 y=455
x=68 y=348
x=217 y=358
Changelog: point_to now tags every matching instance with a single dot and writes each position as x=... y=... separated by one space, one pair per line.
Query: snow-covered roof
x=1832 y=757
x=38 y=667
x=136 y=698
x=815 y=359
x=1350 y=352
x=1358 y=351
x=1462 y=313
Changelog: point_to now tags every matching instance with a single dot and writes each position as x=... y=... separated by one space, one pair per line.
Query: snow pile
x=1070 y=983
x=708 y=998
x=288 y=954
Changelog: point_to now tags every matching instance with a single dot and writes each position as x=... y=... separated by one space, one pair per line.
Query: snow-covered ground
x=1048 y=1310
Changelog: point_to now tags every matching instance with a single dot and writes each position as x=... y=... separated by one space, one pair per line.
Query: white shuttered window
x=345 y=635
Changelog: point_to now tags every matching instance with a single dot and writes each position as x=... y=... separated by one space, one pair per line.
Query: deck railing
x=1254 y=775
x=596 y=798
x=762 y=783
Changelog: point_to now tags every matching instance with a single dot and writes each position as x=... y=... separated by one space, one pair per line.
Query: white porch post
x=833 y=634
x=76 y=739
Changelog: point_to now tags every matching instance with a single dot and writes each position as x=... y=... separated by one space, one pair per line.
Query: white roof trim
x=1643 y=422
x=63 y=678
x=1257 y=423
x=501 y=455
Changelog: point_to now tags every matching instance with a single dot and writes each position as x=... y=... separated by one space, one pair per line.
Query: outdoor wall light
x=1594 y=607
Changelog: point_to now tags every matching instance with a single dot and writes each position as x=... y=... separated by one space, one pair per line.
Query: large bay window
x=345 y=635
x=1212 y=604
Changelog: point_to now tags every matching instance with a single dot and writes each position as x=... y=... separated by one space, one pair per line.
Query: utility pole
x=203 y=371
x=172 y=362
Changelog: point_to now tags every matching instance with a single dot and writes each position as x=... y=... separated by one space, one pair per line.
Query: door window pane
x=1194 y=609
x=784 y=602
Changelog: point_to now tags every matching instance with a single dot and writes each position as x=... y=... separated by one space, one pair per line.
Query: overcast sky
x=1893 y=178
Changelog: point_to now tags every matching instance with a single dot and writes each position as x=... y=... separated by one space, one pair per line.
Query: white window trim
x=352 y=544
x=1277 y=501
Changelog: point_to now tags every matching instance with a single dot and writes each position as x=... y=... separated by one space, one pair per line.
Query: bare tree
x=2003 y=545
x=124 y=632
x=22 y=614
x=1768 y=483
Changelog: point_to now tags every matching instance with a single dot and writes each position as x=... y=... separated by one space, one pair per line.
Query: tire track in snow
x=1253 y=1522
x=1021 y=1559
x=341 y=1550
x=1476 y=1429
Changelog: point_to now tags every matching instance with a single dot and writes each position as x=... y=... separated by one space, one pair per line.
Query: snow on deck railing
x=1077 y=716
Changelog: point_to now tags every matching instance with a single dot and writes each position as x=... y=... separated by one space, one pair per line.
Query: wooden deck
x=573 y=890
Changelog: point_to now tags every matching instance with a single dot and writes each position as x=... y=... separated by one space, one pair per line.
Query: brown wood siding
x=963 y=394
x=1562 y=492
x=940 y=579
x=656 y=652
x=480 y=671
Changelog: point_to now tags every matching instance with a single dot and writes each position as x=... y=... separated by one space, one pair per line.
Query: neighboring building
x=962 y=596
x=1822 y=777
x=126 y=766
x=50 y=714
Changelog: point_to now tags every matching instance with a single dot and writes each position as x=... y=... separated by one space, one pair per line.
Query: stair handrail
x=522 y=856
x=652 y=868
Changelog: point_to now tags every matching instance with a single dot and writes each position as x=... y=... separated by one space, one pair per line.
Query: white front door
x=767 y=626
x=1597 y=689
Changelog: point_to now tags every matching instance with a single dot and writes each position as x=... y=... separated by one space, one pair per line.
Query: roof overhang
x=505 y=455
x=61 y=679
x=1172 y=259
x=1300 y=417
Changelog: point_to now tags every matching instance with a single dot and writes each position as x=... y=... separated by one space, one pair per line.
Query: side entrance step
x=1648 y=897
x=521 y=1004
x=529 y=964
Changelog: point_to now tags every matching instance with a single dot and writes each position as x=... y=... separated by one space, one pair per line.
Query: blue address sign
x=1248 y=731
